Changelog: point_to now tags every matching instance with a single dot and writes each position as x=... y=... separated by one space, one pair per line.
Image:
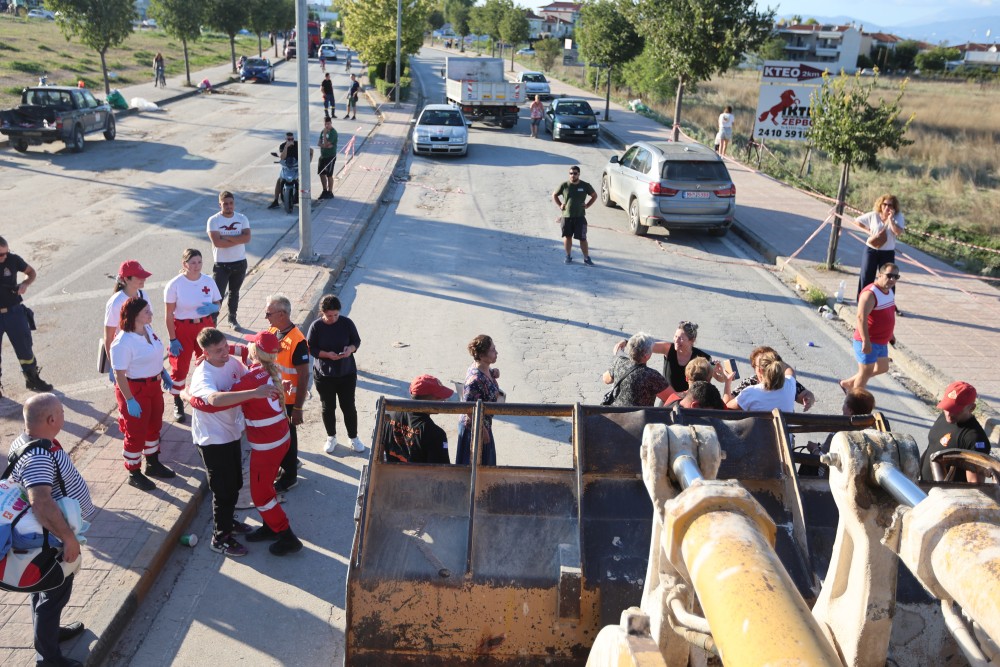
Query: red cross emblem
x=205 y=290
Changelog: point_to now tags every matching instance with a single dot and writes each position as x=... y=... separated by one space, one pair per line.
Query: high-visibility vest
x=284 y=361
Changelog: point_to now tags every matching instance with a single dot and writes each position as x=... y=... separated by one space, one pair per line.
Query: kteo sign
x=790 y=72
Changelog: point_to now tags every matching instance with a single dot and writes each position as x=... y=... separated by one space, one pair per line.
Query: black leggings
x=224 y=464
x=330 y=391
x=871 y=260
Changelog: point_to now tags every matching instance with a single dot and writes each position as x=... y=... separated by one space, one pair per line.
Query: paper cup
x=189 y=540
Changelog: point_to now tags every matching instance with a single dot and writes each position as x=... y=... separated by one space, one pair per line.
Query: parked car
x=41 y=14
x=672 y=185
x=571 y=118
x=535 y=84
x=526 y=52
x=290 y=49
x=149 y=23
x=328 y=51
x=441 y=129
x=257 y=69
x=56 y=113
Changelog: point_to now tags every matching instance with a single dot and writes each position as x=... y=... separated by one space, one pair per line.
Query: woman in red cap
x=131 y=279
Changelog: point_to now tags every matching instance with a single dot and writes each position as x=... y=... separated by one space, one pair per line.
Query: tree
x=514 y=29
x=852 y=132
x=694 y=40
x=260 y=20
x=370 y=28
x=902 y=56
x=643 y=74
x=229 y=17
x=488 y=17
x=282 y=19
x=547 y=51
x=772 y=49
x=935 y=59
x=180 y=19
x=456 y=12
x=435 y=19
x=100 y=24
x=607 y=38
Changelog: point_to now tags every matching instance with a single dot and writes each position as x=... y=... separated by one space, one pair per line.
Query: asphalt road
x=466 y=246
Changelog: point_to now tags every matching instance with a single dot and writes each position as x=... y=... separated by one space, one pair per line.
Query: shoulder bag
x=610 y=397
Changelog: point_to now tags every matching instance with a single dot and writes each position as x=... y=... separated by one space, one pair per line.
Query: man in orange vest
x=293 y=362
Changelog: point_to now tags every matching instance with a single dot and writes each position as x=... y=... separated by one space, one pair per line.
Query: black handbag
x=610 y=397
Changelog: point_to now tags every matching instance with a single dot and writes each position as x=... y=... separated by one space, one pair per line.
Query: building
x=835 y=46
x=568 y=12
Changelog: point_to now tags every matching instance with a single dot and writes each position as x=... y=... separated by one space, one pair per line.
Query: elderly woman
x=802 y=395
x=480 y=385
x=883 y=225
x=137 y=360
x=775 y=388
x=636 y=383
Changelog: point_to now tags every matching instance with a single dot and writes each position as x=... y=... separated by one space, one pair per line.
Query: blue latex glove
x=111 y=376
x=133 y=407
x=208 y=308
x=168 y=384
x=175 y=347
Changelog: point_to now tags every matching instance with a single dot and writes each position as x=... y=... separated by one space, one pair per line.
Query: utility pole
x=399 y=47
x=305 y=190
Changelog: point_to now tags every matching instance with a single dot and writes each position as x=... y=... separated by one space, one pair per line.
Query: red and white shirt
x=189 y=295
x=266 y=419
x=882 y=319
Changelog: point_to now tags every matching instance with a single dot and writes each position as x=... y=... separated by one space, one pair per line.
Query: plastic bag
x=116 y=100
x=143 y=104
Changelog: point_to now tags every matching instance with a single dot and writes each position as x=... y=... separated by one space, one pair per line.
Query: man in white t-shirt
x=229 y=232
x=217 y=428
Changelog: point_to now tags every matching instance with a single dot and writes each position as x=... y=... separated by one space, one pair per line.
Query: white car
x=535 y=83
x=328 y=51
x=441 y=129
x=41 y=14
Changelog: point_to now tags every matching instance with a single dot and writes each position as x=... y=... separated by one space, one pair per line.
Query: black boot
x=140 y=481
x=178 y=409
x=156 y=469
x=287 y=543
x=33 y=382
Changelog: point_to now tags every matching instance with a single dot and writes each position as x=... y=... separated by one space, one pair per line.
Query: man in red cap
x=413 y=437
x=956 y=428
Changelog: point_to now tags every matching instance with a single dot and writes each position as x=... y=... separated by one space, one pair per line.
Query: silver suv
x=673 y=185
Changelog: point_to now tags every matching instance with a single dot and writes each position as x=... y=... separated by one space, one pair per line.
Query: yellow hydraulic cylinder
x=756 y=614
x=967 y=564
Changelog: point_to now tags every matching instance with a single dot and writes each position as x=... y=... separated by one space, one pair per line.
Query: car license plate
x=695 y=195
x=577 y=131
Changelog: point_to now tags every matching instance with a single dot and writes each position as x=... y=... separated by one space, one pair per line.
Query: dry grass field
x=30 y=48
x=947 y=180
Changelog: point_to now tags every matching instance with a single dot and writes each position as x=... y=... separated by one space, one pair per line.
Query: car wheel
x=20 y=146
x=76 y=143
x=634 y=225
x=606 y=192
x=718 y=232
x=110 y=132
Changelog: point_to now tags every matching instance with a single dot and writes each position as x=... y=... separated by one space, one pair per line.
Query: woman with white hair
x=634 y=382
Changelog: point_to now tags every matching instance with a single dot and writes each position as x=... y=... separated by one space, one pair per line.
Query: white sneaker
x=331 y=444
x=358 y=445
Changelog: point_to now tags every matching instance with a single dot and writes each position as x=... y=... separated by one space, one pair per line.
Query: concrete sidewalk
x=133 y=533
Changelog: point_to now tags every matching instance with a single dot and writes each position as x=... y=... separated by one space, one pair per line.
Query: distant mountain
x=954 y=26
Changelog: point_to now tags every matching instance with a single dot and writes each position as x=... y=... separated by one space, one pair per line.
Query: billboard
x=783 y=107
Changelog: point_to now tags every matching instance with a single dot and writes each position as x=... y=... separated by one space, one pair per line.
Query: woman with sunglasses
x=883 y=225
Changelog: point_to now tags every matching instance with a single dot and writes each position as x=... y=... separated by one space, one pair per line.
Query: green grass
x=28 y=67
x=4 y=46
x=14 y=91
x=815 y=296
x=45 y=47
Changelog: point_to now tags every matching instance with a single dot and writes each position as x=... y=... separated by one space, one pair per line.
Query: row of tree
x=103 y=24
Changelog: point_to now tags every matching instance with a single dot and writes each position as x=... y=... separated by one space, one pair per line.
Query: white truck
x=478 y=87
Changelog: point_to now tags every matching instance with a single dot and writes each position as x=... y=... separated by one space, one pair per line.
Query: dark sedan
x=571 y=118
x=257 y=69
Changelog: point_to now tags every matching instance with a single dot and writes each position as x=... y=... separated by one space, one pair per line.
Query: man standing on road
x=326 y=86
x=956 y=428
x=293 y=361
x=48 y=475
x=413 y=437
x=230 y=234
x=327 y=157
x=14 y=316
x=352 y=94
x=876 y=321
x=572 y=199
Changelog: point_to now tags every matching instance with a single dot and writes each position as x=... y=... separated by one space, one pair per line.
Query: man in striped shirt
x=48 y=474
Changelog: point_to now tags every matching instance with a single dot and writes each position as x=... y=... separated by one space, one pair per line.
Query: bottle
x=839 y=295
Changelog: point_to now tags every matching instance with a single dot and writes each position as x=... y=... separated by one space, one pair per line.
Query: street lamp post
x=305 y=191
x=399 y=46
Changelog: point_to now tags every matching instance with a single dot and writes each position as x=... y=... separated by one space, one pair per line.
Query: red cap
x=133 y=269
x=428 y=385
x=265 y=341
x=957 y=396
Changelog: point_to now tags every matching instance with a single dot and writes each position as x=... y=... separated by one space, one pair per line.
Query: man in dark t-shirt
x=956 y=428
x=413 y=437
x=14 y=320
x=574 y=197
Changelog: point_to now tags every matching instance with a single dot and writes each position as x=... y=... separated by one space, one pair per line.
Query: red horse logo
x=788 y=100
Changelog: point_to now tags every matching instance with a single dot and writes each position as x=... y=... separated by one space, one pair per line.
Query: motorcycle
x=289 y=182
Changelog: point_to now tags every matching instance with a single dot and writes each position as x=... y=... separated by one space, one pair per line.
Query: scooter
x=289 y=182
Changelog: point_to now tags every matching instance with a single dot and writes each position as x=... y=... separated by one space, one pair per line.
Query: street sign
x=777 y=71
x=783 y=112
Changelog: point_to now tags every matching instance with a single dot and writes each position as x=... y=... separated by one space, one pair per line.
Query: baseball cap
x=957 y=396
x=133 y=269
x=428 y=385
x=265 y=341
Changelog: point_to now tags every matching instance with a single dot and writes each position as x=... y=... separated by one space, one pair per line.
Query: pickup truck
x=56 y=113
x=535 y=84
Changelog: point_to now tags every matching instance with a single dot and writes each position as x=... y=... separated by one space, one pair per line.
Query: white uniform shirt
x=113 y=308
x=138 y=357
x=233 y=226
x=216 y=428
x=189 y=295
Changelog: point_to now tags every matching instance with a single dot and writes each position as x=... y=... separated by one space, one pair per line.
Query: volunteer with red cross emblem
x=192 y=301
x=137 y=361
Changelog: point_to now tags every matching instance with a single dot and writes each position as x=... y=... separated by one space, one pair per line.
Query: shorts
x=352 y=101
x=726 y=132
x=535 y=122
x=575 y=227
x=879 y=351
x=326 y=165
